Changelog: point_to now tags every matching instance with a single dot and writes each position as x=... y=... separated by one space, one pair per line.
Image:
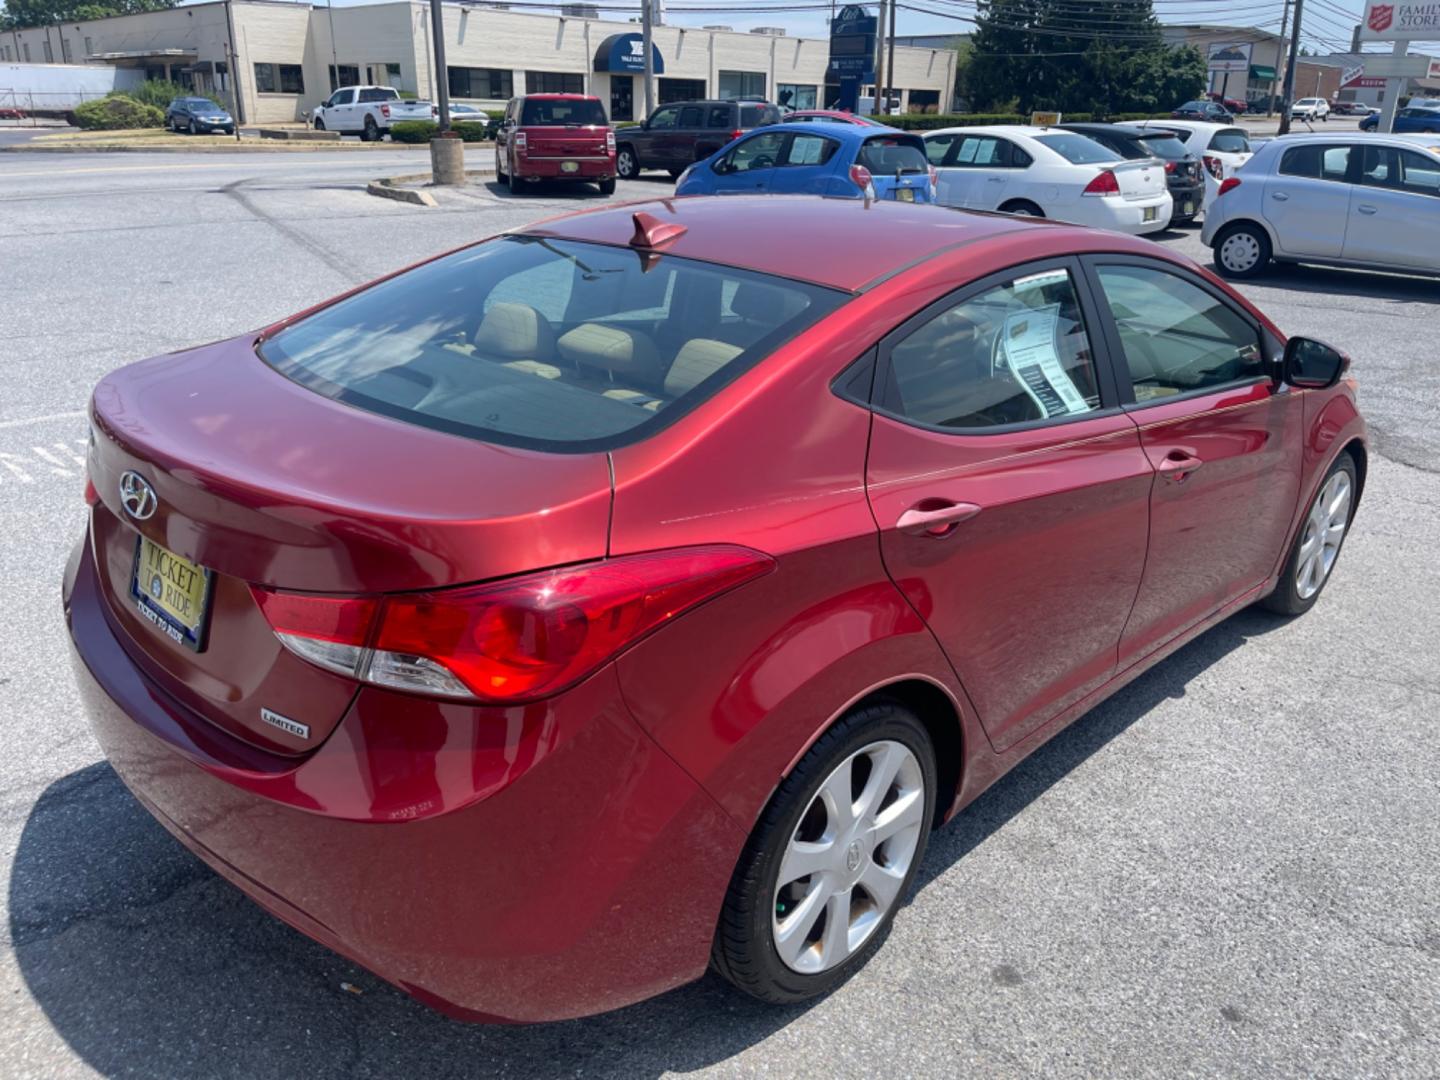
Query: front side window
x=1013 y=354
x=664 y=118
x=759 y=152
x=551 y=343
x=1177 y=337
x=1400 y=170
x=1316 y=162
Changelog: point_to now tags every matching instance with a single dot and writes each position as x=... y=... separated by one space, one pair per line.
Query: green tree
x=20 y=14
x=1090 y=56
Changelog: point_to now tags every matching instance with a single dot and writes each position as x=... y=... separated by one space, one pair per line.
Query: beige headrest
x=515 y=331
x=697 y=360
x=627 y=355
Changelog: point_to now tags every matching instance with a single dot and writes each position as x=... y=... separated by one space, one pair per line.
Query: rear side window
x=562 y=112
x=719 y=116
x=376 y=93
x=546 y=343
x=690 y=116
x=755 y=115
x=809 y=150
x=1230 y=141
x=1316 y=162
x=1077 y=149
x=1164 y=146
x=886 y=155
x=1013 y=354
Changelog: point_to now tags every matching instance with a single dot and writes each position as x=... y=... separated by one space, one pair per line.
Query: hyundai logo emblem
x=137 y=496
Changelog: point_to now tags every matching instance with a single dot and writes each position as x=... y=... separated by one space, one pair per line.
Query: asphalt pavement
x=1231 y=868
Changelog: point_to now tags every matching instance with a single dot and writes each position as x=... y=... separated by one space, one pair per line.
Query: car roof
x=838 y=128
x=860 y=241
x=560 y=97
x=1012 y=130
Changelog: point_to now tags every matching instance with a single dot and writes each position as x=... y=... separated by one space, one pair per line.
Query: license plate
x=1187 y=207
x=569 y=166
x=1150 y=213
x=905 y=194
x=172 y=593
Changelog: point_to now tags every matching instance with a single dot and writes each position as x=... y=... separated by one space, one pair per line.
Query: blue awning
x=626 y=53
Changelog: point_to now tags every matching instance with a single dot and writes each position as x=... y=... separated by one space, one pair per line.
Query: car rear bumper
x=1180 y=194
x=520 y=865
x=581 y=168
x=1122 y=215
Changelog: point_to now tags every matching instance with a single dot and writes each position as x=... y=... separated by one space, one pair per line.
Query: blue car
x=840 y=160
x=1411 y=120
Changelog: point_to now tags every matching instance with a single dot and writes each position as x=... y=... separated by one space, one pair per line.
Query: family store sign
x=1395 y=20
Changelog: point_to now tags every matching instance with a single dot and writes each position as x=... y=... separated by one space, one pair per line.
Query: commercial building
x=289 y=57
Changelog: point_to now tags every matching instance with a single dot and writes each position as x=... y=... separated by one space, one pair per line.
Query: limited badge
x=284 y=723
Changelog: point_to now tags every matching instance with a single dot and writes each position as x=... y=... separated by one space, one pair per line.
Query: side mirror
x=1312 y=365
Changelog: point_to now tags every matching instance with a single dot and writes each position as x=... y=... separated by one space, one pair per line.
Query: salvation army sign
x=1397 y=20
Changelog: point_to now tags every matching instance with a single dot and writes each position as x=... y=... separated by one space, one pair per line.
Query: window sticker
x=1027 y=346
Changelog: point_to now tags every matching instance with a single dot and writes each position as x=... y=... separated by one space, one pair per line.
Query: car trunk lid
x=565 y=142
x=1140 y=179
x=260 y=481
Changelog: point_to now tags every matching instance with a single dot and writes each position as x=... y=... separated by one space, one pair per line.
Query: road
x=1231 y=868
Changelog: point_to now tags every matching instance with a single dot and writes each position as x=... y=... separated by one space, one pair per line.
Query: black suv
x=680 y=134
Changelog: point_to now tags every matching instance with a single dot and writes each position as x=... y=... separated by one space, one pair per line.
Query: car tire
x=193 y=129
x=371 y=131
x=499 y=168
x=1022 y=208
x=627 y=165
x=1241 y=251
x=1318 y=541
x=319 y=123
x=607 y=187
x=517 y=185
x=751 y=934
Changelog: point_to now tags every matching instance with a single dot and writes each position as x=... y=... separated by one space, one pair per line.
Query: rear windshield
x=562 y=113
x=889 y=156
x=553 y=344
x=379 y=93
x=756 y=115
x=1077 y=149
x=1230 y=141
x=1165 y=146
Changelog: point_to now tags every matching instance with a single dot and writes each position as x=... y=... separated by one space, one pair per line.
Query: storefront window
x=279 y=79
x=681 y=90
x=795 y=96
x=554 y=82
x=742 y=84
x=349 y=76
x=494 y=84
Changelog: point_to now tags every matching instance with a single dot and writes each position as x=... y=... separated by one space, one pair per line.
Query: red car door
x=1011 y=491
x=1223 y=436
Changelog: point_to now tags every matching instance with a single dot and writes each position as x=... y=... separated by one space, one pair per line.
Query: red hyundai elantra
x=635 y=592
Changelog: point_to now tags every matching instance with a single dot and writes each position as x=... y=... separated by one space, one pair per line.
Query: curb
x=388 y=187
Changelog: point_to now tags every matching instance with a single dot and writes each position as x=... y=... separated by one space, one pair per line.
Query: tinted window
x=545 y=342
x=562 y=112
x=1177 y=337
x=1015 y=353
x=690 y=116
x=755 y=115
x=664 y=118
x=1316 y=162
x=1230 y=141
x=810 y=150
x=1195 y=106
x=1400 y=170
x=1165 y=146
x=888 y=156
x=1077 y=149
x=719 y=116
x=376 y=93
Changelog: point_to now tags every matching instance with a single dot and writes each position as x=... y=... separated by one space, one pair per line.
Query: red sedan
x=635 y=592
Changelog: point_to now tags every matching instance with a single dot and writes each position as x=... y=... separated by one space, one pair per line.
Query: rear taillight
x=519 y=142
x=91 y=495
x=610 y=141
x=385 y=111
x=1214 y=166
x=1229 y=184
x=1104 y=184
x=860 y=177
x=736 y=134
x=510 y=641
x=934 y=176
x=1169 y=166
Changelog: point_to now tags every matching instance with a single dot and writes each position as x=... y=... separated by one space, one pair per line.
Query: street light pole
x=1279 y=59
x=442 y=76
x=647 y=30
x=879 y=62
x=1288 y=94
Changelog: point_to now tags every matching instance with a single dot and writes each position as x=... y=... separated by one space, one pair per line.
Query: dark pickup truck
x=680 y=134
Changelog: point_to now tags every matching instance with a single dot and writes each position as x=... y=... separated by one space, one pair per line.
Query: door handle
x=936 y=521
x=1179 y=464
x=1279 y=196
x=1367 y=210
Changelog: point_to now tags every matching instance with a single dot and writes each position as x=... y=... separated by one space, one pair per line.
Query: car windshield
x=1230 y=141
x=1310 y=101
x=1164 y=146
x=889 y=156
x=200 y=103
x=562 y=112
x=1197 y=105
x=1077 y=149
x=547 y=343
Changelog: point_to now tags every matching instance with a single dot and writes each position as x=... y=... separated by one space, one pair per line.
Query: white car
x=1221 y=148
x=368 y=111
x=1310 y=108
x=1367 y=201
x=1047 y=172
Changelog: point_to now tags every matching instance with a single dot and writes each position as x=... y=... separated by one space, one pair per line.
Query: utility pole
x=334 y=56
x=442 y=76
x=234 y=90
x=879 y=61
x=647 y=29
x=1288 y=94
x=890 y=60
x=447 y=150
x=1279 y=59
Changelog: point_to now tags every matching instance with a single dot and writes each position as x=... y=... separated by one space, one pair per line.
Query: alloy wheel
x=625 y=164
x=1324 y=530
x=1240 y=252
x=845 y=863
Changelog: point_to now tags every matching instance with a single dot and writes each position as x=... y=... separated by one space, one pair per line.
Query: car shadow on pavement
x=147 y=963
x=1350 y=284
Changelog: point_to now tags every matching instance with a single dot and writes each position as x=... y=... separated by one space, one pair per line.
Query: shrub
x=159 y=93
x=116 y=112
x=422 y=131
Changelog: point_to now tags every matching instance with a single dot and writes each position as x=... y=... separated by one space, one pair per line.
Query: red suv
x=555 y=137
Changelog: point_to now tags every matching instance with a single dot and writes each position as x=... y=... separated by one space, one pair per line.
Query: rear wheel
x=1242 y=250
x=319 y=123
x=1022 y=208
x=193 y=129
x=607 y=187
x=1318 y=542
x=499 y=166
x=627 y=165
x=517 y=186
x=372 y=130
x=831 y=859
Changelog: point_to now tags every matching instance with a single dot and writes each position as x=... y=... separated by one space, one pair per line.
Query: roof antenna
x=652 y=233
